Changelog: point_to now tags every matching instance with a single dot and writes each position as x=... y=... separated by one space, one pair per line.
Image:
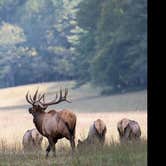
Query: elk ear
x=44 y=107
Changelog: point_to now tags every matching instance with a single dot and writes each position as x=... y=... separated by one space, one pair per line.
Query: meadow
x=88 y=105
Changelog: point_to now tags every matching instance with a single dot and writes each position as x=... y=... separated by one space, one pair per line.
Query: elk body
x=53 y=124
x=96 y=134
x=32 y=140
x=128 y=130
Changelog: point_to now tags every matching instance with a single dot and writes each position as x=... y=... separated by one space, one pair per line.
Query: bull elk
x=53 y=124
x=129 y=130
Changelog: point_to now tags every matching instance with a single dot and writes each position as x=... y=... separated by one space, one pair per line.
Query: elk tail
x=71 y=131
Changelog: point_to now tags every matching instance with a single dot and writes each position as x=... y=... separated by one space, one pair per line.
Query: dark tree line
x=96 y=41
x=112 y=51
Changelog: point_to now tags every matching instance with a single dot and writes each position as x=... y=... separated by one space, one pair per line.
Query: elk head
x=38 y=101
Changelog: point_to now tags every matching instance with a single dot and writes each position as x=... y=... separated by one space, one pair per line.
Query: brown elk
x=96 y=134
x=32 y=140
x=129 y=130
x=54 y=124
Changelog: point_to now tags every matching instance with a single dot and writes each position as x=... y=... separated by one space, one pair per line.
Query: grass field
x=113 y=154
x=88 y=105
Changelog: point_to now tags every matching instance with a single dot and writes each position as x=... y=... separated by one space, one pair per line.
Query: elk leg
x=72 y=139
x=127 y=133
x=52 y=145
x=102 y=140
x=72 y=143
x=54 y=148
x=48 y=150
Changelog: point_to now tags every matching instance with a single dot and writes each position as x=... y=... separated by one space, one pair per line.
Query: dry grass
x=16 y=95
x=111 y=119
x=13 y=124
x=87 y=104
x=84 y=99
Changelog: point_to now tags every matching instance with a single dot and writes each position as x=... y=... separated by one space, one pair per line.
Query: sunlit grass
x=16 y=95
x=84 y=99
x=13 y=124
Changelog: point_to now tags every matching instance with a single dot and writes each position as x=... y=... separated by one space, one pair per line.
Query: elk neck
x=38 y=120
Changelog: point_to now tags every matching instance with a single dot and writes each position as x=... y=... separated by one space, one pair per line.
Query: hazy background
x=103 y=43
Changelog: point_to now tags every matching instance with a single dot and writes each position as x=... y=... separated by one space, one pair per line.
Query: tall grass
x=13 y=124
x=115 y=154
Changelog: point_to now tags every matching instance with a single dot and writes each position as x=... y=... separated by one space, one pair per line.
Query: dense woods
x=96 y=41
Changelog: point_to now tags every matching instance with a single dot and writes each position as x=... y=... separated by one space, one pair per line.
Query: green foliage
x=11 y=34
x=34 y=43
x=118 y=54
x=88 y=14
x=102 y=42
x=83 y=57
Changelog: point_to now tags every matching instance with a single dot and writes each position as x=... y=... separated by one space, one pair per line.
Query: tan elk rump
x=32 y=140
x=128 y=130
x=96 y=134
x=53 y=124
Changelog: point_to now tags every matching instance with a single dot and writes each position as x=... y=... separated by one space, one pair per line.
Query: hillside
x=84 y=99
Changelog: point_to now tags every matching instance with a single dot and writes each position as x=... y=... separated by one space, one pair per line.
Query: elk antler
x=35 y=95
x=58 y=100
x=40 y=97
x=34 y=99
x=27 y=98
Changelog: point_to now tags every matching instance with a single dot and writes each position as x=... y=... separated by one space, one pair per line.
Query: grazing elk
x=128 y=130
x=32 y=140
x=54 y=124
x=96 y=134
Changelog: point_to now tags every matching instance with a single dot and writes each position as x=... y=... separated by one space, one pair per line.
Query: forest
x=101 y=42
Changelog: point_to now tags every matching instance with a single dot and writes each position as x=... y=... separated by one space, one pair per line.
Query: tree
x=118 y=54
